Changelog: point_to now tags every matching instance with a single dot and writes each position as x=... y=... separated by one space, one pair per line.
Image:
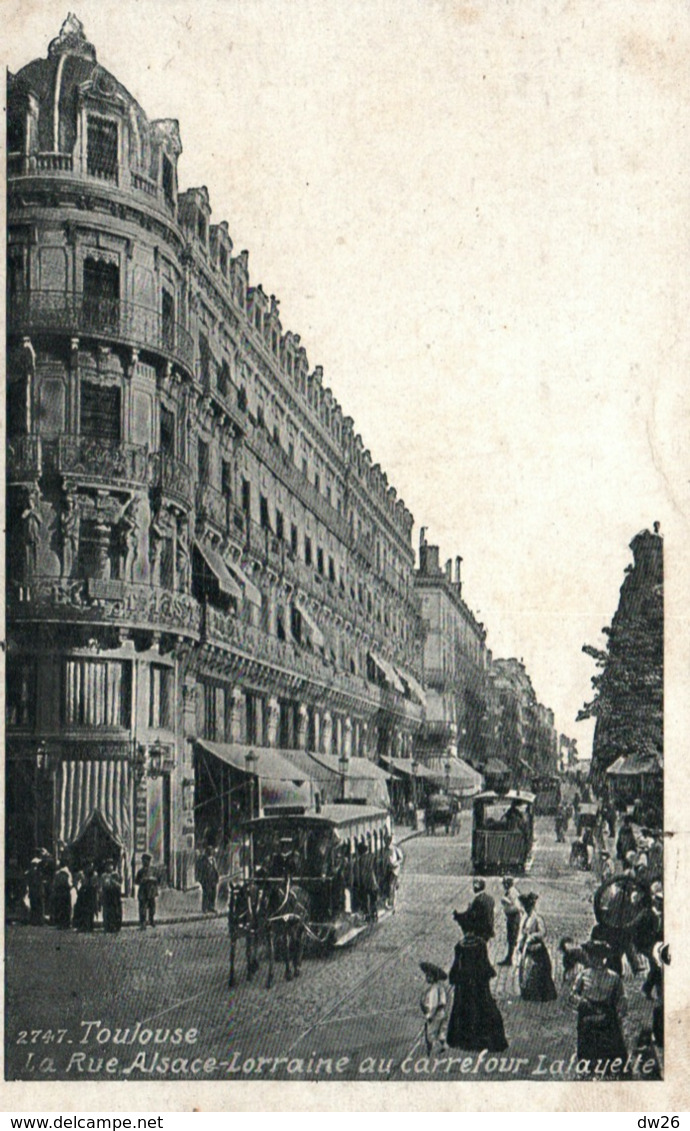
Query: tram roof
x=512 y=795
x=330 y=815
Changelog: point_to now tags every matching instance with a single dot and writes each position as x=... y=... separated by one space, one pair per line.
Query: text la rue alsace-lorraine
x=144 y=1052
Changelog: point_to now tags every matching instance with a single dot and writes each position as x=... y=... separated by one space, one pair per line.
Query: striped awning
x=88 y=790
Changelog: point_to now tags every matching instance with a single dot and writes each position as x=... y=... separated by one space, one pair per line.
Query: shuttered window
x=96 y=693
x=99 y=416
x=102 y=158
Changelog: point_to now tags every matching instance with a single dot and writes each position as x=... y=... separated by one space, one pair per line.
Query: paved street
x=353 y=1013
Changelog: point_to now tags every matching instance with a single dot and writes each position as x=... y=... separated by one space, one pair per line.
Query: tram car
x=548 y=791
x=502 y=832
x=336 y=858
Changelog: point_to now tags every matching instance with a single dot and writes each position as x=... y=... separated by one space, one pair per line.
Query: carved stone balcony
x=173 y=478
x=109 y=319
x=102 y=461
x=92 y=601
x=23 y=459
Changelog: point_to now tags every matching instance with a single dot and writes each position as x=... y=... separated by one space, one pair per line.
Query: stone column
x=272 y=719
x=347 y=738
x=237 y=708
x=326 y=733
x=317 y=730
x=302 y=720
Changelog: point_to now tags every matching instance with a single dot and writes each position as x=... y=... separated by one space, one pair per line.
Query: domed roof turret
x=70 y=72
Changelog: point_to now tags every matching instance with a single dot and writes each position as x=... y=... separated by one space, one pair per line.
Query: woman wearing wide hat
x=475 y=1020
x=599 y=997
x=535 y=976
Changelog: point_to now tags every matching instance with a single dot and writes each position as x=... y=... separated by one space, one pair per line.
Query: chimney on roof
x=449 y=569
x=458 y=579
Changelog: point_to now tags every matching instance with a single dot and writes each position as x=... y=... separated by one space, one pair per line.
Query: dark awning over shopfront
x=456 y=773
x=635 y=765
x=403 y=766
x=281 y=781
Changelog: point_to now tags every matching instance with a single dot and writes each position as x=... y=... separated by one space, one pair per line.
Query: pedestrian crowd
x=626 y=941
x=69 y=896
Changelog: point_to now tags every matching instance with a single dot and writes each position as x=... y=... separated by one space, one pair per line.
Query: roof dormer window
x=102 y=148
x=168 y=179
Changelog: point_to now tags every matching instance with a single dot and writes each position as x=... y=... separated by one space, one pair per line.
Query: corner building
x=204 y=563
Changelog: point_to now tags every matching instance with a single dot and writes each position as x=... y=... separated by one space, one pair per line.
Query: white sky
x=476 y=217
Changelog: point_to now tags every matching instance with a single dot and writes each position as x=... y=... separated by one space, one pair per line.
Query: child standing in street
x=434 y=1004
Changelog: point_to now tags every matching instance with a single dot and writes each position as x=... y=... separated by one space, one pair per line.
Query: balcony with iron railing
x=228 y=631
x=46 y=311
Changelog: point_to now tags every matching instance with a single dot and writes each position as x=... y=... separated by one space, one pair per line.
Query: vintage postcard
x=346 y=500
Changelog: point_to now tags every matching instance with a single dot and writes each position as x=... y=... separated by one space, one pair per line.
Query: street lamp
x=344 y=767
x=252 y=764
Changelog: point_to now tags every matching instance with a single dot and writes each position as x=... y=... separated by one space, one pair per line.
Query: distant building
x=520 y=730
x=205 y=562
x=455 y=661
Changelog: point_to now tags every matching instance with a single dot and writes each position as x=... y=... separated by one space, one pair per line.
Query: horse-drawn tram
x=312 y=876
x=502 y=831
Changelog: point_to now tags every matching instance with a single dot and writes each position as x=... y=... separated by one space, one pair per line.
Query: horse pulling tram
x=311 y=877
x=502 y=832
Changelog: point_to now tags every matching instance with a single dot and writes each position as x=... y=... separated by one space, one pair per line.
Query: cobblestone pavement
x=353 y=1013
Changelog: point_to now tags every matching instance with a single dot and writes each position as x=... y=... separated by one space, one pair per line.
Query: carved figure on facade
x=70 y=521
x=183 y=563
x=132 y=526
x=32 y=523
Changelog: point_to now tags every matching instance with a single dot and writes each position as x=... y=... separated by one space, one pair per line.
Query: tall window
x=16 y=406
x=167 y=431
x=168 y=320
x=307 y=549
x=226 y=478
x=96 y=693
x=100 y=412
x=20 y=690
x=280 y=525
x=264 y=516
x=294 y=540
x=101 y=148
x=247 y=497
x=203 y=458
x=224 y=379
x=160 y=697
x=101 y=295
x=168 y=177
x=204 y=361
x=319 y=560
x=214 y=713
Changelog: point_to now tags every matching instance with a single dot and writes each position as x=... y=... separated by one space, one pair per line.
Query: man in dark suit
x=480 y=911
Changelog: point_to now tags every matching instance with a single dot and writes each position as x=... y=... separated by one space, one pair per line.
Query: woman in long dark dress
x=475 y=1020
x=600 y=999
x=535 y=974
x=62 y=898
x=111 y=896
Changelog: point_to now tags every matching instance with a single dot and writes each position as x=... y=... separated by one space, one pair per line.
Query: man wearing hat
x=434 y=1003
x=510 y=902
x=147 y=881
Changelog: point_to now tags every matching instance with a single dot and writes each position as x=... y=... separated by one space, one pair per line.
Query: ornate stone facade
x=194 y=519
